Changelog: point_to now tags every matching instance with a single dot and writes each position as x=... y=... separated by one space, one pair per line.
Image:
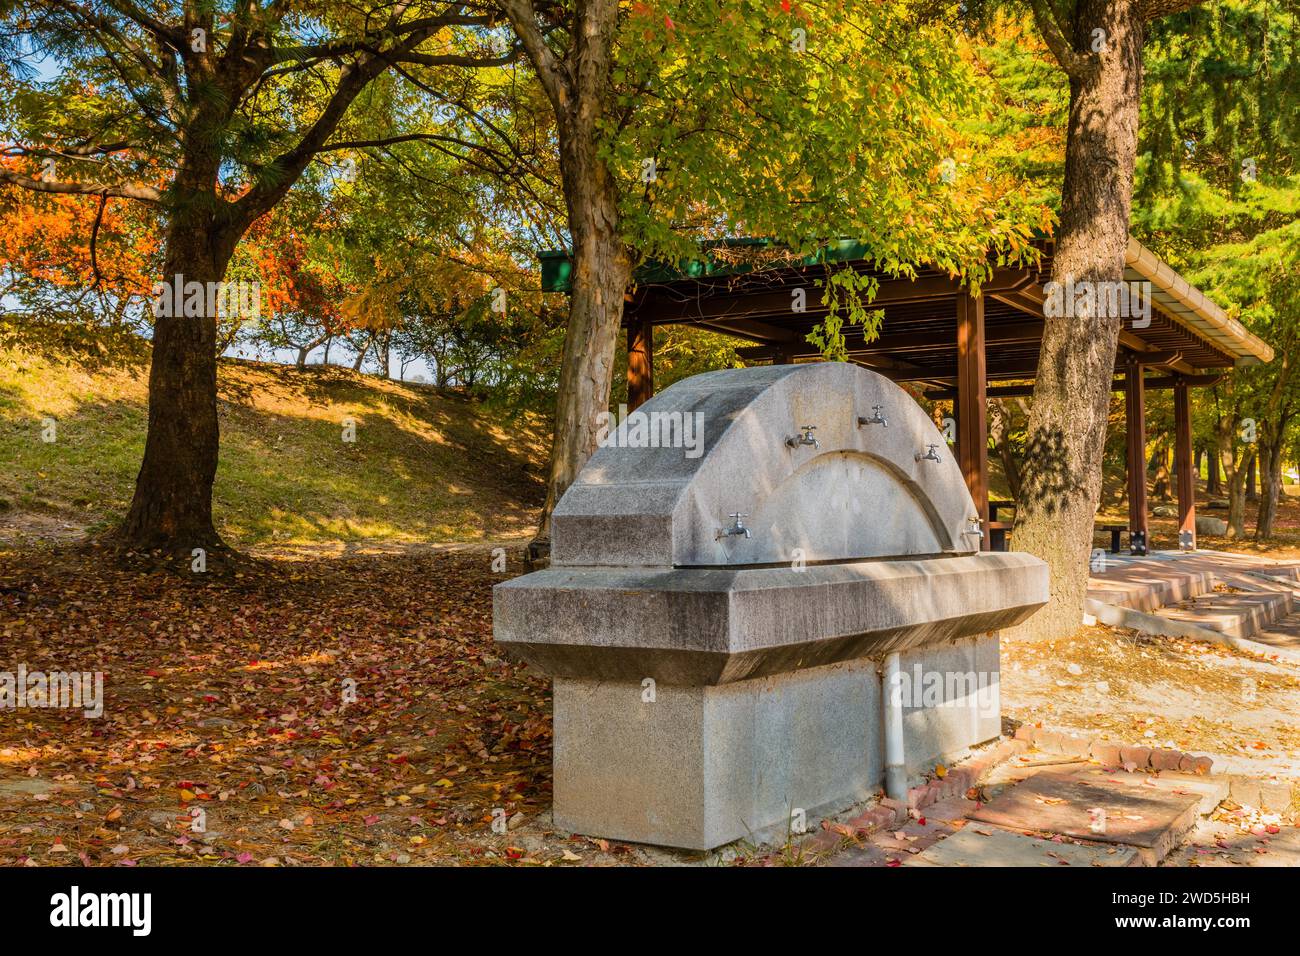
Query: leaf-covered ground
x=227 y=696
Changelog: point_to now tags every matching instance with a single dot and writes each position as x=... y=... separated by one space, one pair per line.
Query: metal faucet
x=930 y=455
x=976 y=524
x=737 y=527
x=875 y=419
x=794 y=441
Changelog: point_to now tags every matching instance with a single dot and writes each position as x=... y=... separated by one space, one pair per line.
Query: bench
x=1137 y=540
x=998 y=531
x=1115 y=531
x=995 y=505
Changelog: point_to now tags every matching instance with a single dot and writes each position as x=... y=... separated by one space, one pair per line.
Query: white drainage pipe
x=891 y=693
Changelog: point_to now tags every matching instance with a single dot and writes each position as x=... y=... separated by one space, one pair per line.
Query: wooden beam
x=972 y=406
x=1184 y=466
x=1021 y=333
x=1135 y=434
x=1118 y=385
x=752 y=329
x=640 y=364
x=778 y=302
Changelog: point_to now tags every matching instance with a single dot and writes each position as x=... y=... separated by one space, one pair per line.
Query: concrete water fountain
x=765 y=628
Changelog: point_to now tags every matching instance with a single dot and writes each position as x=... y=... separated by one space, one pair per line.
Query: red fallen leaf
x=244 y=857
x=1273 y=828
x=668 y=22
x=892 y=862
x=371 y=821
x=210 y=699
x=921 y=820
x=152 y=673
x=514 y=852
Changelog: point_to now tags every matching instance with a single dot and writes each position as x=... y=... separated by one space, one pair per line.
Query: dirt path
x=1159 y=691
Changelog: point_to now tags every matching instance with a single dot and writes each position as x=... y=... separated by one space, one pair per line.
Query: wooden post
x=972 y=405
x=640 y=362
x=1184 y=466
x=1135 y=433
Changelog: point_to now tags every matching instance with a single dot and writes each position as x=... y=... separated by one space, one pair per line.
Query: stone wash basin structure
x=719 y=678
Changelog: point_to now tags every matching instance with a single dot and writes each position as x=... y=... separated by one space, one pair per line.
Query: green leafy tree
x=211 y=110
x=797 y=122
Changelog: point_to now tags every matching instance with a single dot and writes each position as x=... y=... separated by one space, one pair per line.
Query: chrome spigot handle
x=875 y=419
x=737 y=526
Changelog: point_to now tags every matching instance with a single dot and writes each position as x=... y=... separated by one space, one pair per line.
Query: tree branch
x=551 y=73
x=1075 y=64
x=123 y=191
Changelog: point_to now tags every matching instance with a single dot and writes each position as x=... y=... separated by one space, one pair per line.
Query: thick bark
x=1251 y=494
x=578 y=88
x=1067 y=423
x=602 y=269
x=172 y=504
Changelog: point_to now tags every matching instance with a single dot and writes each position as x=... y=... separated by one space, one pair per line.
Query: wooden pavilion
x=953 y=345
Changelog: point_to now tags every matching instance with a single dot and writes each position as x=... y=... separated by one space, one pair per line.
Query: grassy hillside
x=427 y=465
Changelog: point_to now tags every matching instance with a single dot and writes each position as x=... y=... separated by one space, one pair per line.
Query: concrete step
x=1281 y=572
x=1209 y=791
x=990 y=846
x=1098 y=807
x=1145 y=585
x=1238 y=614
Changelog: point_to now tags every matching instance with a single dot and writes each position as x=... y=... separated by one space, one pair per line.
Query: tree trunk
x=601 y=271
x=1000 y=432
x=172 y=504
x=1067 y=423
x=362 y=352
x=602 y=263
x=1213 y=487
x=1251 y=495
x=1270 y=472
x=1160 y=488
x=1234 y=476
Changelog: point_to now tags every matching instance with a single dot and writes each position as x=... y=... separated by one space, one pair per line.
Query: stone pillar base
x=703 y=766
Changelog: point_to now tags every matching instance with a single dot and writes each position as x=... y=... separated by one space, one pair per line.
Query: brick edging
x=1110 y=754
x=894 y=813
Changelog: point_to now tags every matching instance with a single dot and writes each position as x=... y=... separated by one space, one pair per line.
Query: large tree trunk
x=602 y=264
x=172 y=504
x=1067 y=423
x=602 y=269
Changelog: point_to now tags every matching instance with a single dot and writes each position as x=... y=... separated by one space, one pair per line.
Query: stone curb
x=1111 y=754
